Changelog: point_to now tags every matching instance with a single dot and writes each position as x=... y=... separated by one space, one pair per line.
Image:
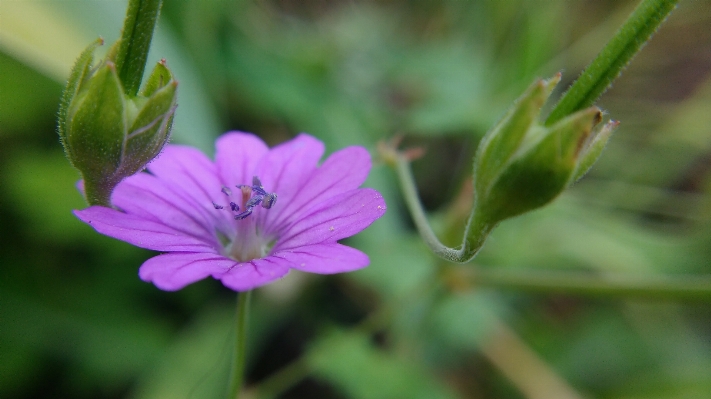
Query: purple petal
x=324 y=258
x=189 y=173
x=140 y=232
x=344 y=170
x=334 y=219
x=237 y=157
x=253 y=274
x=173 y=271
x=285 y=169
x=146 y=196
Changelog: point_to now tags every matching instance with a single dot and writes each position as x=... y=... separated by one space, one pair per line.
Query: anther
x=252 y=196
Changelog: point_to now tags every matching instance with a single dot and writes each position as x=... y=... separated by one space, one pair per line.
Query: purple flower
x=193 y=210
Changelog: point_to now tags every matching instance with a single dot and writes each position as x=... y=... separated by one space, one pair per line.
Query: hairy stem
x=614 y=57
x=474 y=236
x=136 y=36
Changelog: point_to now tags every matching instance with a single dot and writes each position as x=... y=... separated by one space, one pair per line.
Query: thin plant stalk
x=614 y=57
x=136 y=36
x=238 y=359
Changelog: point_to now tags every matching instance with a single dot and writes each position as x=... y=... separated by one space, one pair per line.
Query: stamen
x=269 y=200
x=252 y=196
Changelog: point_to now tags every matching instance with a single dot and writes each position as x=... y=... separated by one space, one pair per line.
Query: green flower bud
x=522 y=165
x=108 y=135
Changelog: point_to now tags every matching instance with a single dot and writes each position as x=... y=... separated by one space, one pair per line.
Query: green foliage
x=353 y=365
x=76 y=322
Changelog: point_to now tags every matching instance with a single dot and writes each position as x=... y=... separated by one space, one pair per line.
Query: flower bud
x=107 y=134
x=522 y=165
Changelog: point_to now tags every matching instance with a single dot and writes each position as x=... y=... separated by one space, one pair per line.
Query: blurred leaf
x=28 y=181
x=41 y=38
x=102 y=351
x=29 y=101
x=465 y=320
x=398 y=265
x=354 y=366
x=594 y=239
x=195 y=364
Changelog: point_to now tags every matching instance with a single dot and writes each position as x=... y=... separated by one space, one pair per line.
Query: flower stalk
x=475 y=234
x=613 y=58
x=239 y=356
x=136 y=36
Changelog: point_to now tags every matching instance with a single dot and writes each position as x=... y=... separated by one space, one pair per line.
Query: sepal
x=108 y=135
x=522 y=165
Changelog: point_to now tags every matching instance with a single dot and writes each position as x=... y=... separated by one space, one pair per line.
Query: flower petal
x=237 y=155
x=344 y=170
x=146 y=196
x=249 y=275
x=173 y=271
x=334 y=219
x=189 y=172
x=190 y=175
x=139 y=231
x=324 y=258
x=284 y=170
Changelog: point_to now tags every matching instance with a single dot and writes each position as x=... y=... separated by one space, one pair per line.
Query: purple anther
x=254 y=201
x=257 y=196
x=244 y=214
x=269 y=200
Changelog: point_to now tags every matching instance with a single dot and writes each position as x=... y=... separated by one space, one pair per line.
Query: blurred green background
x=76 y=322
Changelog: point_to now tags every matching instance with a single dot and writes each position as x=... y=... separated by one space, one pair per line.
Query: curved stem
x=474 y=235
x=237 y=373
x=136 y=36
x=613 y=58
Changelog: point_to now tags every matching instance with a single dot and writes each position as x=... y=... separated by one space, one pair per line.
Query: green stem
x=588 y=284
x=141 y=18
x=97 y=194
x=474 y=235
x=613 y=58
x=237 y=374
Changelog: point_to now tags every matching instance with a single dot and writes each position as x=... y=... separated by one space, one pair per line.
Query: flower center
x=247 y=242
